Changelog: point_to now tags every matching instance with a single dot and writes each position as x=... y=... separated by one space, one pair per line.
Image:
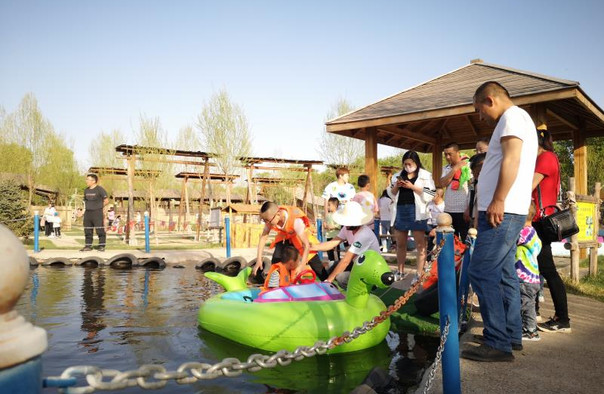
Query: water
x=121 y=319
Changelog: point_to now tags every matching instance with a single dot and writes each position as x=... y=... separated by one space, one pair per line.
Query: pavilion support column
x=181 y=205
x=371 y=157
x=437 y=159
x=580 y=156
x=539 y=114
x=202 y=196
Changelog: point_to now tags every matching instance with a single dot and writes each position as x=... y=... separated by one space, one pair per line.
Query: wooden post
x=180 y=205
x=580 y=160
x=187 y=210
x=202 y=197
x=539 y=114
x=312 y=193
x=371 y=157
x=437 y=159
x=574 y=250
x=130 y=163
x=251 y=199
x=593 y=252
x=306 y=184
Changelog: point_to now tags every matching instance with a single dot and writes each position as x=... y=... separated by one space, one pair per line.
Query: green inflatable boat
x=299 y=315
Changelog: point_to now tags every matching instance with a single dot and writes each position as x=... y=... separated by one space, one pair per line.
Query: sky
x=96 y=66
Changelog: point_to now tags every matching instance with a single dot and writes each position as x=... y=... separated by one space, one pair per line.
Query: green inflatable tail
x=231 y=283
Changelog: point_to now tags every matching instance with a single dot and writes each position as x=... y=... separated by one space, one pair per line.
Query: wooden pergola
x=252 y=164
x=426 y=117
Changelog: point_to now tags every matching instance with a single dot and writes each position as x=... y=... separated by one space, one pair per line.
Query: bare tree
x=225 y=132
x=337 y=149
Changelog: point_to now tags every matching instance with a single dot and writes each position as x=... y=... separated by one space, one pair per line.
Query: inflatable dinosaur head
x=369 y=269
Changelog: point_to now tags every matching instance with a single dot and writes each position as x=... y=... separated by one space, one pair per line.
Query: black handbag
x=557 y=226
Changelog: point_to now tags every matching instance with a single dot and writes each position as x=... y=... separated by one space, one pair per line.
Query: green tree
x=225 y=132
x=101 y=153
x=337 y=149
x=13 y=209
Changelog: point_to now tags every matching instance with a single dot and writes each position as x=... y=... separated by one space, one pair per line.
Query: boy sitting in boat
x=293 y=228
x=354 y=219
x=282 y=274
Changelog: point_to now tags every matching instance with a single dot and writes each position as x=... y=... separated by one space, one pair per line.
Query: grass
x=589 y=286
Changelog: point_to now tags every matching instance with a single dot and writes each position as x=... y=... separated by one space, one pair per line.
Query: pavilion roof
x=441 y=111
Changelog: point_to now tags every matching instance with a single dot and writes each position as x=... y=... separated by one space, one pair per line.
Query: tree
x=101 y=153
x=338 y=149
x=13 y=210
x=225 y=132
x=60 y=169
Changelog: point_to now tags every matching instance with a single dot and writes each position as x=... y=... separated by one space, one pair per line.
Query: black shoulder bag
x=557 y=226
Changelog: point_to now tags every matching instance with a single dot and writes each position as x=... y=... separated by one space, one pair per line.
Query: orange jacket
x=287 y=233
x=285 y=276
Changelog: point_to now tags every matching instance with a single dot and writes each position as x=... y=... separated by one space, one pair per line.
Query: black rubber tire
x=208 y=265
x=123 y=261
x=232 y=265
x=90 y=262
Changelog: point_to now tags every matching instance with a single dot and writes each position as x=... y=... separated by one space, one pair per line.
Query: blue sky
x=97 y=65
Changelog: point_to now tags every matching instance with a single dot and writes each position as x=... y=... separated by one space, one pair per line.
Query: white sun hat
x=353 y=214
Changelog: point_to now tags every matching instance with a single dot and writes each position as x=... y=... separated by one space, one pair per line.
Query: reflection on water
x=121 y=319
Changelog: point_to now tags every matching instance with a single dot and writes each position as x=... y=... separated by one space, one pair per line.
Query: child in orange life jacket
x=282 y=274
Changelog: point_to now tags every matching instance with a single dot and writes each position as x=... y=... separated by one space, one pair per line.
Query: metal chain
x=438 y=358
x=152 y=376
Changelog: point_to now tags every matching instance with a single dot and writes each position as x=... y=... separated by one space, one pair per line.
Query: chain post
x=447 y=301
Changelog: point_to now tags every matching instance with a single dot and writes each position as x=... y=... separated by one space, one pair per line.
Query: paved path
x=558 y=363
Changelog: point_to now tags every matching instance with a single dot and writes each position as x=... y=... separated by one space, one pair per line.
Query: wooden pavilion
x=430 y=115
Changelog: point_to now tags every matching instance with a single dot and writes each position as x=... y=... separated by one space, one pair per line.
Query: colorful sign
x=586 y=212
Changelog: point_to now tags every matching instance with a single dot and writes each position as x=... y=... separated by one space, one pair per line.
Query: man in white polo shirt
x=504 y=198
x=354 y=219
x=456 y=188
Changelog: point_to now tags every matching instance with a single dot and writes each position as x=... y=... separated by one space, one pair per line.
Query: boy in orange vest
x=292 y=228
x=282 y=274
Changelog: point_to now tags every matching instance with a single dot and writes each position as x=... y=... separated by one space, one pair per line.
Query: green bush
x=13 y=209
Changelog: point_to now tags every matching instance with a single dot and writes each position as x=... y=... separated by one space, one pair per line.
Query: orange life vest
x=285 y=276
x=287 y=233
x=458 y=249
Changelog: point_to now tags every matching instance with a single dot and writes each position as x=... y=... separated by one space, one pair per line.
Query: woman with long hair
x=546 y=184
x=411 y=189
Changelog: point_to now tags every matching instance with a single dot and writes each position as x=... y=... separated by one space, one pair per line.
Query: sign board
x=215 y=218
x=586 y=212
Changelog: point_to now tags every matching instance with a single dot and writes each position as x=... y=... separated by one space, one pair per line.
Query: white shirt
x=434 y=210
x=344 y=192
x=514 y=122
x=385 y=204
x=456 y=201
x=363 y=240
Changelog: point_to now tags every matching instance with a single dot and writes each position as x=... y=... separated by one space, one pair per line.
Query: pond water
x=121 y=319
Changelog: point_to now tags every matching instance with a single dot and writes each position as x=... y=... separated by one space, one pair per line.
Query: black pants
x=333 y=254
x=47 y=228
x=460 y=226
x=315 y=263
x=94 y=220
x=547 y=269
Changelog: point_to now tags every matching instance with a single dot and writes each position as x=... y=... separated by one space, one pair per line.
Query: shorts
x=405 y=219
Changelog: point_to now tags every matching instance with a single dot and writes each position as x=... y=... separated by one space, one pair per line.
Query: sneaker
x=398 y=275
x=101 y=248
x=554 y=325
x=531 y=336
x=414 y=280
x=86 y=249
x=487 y=354
x=480 y=339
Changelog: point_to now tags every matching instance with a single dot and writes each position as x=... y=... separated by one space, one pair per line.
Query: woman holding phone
x=411 y=189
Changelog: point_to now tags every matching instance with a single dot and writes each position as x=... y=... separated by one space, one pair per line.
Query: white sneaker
x=415 y=279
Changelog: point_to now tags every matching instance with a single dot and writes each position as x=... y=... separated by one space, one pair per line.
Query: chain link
x=438 y=358
x=152 y=376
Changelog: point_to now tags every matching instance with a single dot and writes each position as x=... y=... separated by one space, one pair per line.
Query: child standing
x=527 y=268
x=56 y=225
x=332 y=229
x=434 y=208
x=366 y=198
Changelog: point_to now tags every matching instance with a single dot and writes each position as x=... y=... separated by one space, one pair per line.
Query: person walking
x=95 y=199
x=503 y=202
x=411 y=188
x=340 y=189
x=546 y=183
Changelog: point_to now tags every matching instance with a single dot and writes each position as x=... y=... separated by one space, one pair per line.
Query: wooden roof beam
x=472 y=127
x=562 y=119
x=407 y=133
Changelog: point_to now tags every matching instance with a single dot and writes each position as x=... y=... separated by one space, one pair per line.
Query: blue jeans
x=385 y=225
x=493 y=277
